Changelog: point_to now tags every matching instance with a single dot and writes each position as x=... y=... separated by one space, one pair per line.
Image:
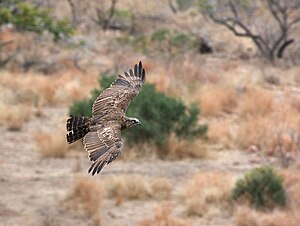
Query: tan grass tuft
x=163 y=217
x=51 y=144
x=214 y=100
x=129 y=187
x=220 y=132
x=245 y=216
x=291 y=182
x=256 y=130
x=207 y=191
x=295 y=103
x=176 y=148
x=85 y=197
x=162 y=188
x=134 y=187
x=13 y=117
x=274 y=134
x=256 y=102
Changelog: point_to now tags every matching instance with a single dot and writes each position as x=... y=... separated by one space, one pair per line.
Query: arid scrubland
x=250 y=105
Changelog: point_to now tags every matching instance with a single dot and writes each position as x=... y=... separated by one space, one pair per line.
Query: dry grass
x=13 y=117
x=85 y=198
x=272 y=133
x=220 y=131
x=256 y=102
x=163 y=217
x=215 y=100
x=208 y=192
x=51 y=144
x=291 y=182
x=176 y=148
x=245 y=216
x=162 y=188
x=295 y=102
x=137 y=187
x=140 y=151
x=256 y=130
x=40 y=90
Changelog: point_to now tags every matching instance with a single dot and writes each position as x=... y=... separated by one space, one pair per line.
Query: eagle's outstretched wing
x=103 y=142
x=103 y=145
x=121 y=91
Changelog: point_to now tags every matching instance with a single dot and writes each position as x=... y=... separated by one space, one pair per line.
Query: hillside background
x=53 y=53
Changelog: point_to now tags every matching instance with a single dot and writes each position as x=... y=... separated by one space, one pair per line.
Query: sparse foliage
x=179 y=5
x=113 y=18
x=267 y=23
x=263 y=186
x=169 y=42
x=29 y=17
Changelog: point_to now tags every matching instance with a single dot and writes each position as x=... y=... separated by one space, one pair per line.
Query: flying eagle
x=102 y=133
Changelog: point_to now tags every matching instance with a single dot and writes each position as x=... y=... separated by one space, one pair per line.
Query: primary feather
x=102 y=133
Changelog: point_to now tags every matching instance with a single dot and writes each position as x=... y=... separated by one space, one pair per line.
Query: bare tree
x=102 y=18
x=268 y=23
x=73 y=11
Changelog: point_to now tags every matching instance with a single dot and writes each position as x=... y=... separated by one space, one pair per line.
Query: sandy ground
x=33 y=188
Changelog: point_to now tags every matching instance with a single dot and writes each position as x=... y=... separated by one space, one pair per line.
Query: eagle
x=102 y=132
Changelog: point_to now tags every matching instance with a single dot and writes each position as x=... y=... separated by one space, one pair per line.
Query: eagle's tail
x=77 y=127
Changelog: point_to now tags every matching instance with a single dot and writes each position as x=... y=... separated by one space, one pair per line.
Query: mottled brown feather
x=121 y=91
x=103 y=142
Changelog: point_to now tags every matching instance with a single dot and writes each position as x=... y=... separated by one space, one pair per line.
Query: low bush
x=160 y=115
x=263 y=187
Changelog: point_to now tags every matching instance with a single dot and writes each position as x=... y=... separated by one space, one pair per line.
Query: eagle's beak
x=139 y=123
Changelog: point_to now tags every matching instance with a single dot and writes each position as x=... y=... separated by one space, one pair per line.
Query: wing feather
x=121 y=91
x=103 y=146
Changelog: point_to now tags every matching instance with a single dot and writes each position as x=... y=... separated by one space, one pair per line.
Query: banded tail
x=77 y=127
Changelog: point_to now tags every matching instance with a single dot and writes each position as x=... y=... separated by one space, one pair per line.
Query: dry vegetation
x=163 y=217
x=252 y=109
x=14 y=116
x=245 y=216
x=208 y=194
x=85 y=198
x=176 y=148
x=215 y=100
x=123 y=188
x=51 y=144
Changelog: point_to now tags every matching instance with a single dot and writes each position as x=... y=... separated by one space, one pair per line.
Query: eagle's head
x=130 y=122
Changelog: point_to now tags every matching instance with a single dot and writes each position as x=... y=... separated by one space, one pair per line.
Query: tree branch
x=283 y=47
x=73 y=12
x=172 y=7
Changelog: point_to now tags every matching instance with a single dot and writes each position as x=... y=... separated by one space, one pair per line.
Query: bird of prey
x=102 y=132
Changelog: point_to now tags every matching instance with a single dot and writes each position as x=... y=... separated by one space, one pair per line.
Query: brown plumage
x=102 y=133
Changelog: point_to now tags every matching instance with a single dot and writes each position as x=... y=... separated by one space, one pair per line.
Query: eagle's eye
x=135 y=122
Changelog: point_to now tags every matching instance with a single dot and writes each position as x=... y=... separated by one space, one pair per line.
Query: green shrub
x=263 y=187
x=160 y=35
x=29 y=17
x=162 y=40
x=184 y=4
x=160 y=115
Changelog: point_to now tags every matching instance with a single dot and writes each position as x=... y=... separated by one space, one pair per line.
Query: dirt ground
x=32 y=189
